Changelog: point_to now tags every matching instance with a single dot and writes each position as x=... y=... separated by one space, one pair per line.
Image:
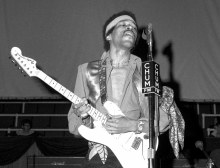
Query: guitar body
x=120 y=144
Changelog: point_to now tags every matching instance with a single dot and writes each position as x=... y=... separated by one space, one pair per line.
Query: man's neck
x=119 y=56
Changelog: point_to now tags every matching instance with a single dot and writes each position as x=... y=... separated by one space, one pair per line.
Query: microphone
x=147 y=35
x=149 y=41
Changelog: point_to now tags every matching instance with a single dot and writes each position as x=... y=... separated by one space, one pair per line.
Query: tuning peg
x=9 y=57
x=12 y=61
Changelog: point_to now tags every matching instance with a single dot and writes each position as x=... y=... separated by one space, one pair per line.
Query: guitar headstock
x=26 y=64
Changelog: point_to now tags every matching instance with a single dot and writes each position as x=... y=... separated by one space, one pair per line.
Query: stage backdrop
x=61 y=34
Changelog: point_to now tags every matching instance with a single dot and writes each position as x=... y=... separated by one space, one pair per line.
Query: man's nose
x=129 y=27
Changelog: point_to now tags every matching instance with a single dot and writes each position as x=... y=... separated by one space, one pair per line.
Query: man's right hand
x=81 y=109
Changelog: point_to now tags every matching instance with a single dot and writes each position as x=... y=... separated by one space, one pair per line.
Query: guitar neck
x=94 y=113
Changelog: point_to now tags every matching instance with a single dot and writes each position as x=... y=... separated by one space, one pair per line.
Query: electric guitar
x=125 y=147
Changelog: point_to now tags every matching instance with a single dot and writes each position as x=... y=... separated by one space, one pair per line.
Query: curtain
x=13 y=148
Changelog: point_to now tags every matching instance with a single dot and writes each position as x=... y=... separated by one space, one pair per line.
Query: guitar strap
x=102 y=82
x=97 y=87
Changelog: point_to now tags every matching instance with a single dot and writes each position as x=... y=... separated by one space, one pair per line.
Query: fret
x=95 y=114
x=62 y=90
x=70 y=96
x=91 y=111
x=78 y=100
x=58 y=87
x=99 y=116
x=66 y=93
x=74 y=98
x=48 y=80
x=52 y=83
x=103 y=119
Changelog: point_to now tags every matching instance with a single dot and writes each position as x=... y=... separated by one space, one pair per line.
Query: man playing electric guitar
x=116 y=78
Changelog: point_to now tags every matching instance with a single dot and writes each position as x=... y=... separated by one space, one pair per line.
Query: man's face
x=124 y=34
x=26 y=127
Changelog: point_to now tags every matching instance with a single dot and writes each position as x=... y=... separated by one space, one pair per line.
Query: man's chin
x=128 y=44
x=129 y=38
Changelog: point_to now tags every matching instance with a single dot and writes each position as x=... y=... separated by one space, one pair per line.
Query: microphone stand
x=210 y=163
x=151 y=89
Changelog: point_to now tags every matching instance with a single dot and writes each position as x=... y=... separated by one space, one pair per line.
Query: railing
x=9 y=130
x=23 y=103
x=30 y=115
x=22 y=113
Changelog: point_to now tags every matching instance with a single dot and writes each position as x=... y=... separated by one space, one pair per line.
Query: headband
x=116 y=20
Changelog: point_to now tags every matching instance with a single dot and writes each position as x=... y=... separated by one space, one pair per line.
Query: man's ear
x=108 y=38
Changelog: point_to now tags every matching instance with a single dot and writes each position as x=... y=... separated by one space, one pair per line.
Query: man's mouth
x=129 y=33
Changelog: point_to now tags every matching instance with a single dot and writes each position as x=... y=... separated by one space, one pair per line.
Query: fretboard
x=94 y=113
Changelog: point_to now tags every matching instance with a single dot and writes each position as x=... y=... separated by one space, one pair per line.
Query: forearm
x=75 y=121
